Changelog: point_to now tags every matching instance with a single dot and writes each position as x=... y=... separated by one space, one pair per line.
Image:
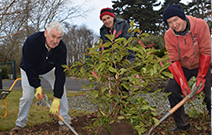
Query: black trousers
x=180 y=117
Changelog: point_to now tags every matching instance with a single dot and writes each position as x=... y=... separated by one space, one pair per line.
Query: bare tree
x=37 y=13
x=9 y=15
x=21 y=18
x=56 y=10
x=77 y=40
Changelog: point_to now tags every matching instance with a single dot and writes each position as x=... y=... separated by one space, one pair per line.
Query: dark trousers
x=180 y=117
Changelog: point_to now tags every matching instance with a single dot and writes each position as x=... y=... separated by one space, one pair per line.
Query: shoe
x=64 y=128
x=16 y=129
x=184 y=128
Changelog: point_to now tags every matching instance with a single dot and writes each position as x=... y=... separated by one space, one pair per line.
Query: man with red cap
x=189 y=48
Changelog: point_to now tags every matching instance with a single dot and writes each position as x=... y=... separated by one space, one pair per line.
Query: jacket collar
x=186 y=31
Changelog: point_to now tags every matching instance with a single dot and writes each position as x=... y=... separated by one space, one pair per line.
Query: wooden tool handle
x=178 y=105
x=60 y=117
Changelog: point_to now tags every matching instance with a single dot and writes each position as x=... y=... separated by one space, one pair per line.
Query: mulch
x=117 y=128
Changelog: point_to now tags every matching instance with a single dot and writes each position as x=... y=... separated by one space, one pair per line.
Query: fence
x=11 y=68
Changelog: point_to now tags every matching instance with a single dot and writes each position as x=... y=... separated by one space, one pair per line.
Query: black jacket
x=36 y=60
x=119 y=24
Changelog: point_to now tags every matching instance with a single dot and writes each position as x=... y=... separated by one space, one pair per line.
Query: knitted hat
x=106 y=11
x=173 y=10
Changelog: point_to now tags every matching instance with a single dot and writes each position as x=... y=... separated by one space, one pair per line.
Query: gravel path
x=83 y=102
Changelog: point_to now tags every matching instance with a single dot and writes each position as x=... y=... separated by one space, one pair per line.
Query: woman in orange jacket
x=188 y=43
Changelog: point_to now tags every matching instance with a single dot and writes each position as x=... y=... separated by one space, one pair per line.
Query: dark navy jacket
x=36 y=60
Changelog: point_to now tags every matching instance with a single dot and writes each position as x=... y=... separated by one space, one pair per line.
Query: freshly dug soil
x=117 y=128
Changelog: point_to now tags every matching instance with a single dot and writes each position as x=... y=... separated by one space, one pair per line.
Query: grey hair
x=55 y=25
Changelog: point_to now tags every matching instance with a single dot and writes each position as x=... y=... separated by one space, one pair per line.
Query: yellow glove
x=39 y=92
x=55 y=107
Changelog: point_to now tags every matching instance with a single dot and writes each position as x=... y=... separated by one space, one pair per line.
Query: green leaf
x=110 y=37
x=145 y=34
x=111 y=69
x=107 y=44
x=108 y=128
x=101 y=66
x=165 y=66
x=122 y=70
x=160 y=76
x=145 y=107
x=136 y=30
x=132 y=24
x=155 y=66
x=120 y=117
x=96 y=123
x=205 y=128
x=168 y=74
x=154 y=113
x=144 y=70
x=82 y=70
x=151 y=51
x=125 y=86
x=103 y=89
x=100 y=41
x=65 y=66
x=78 y=63
x=151 y=72
x=117 y=76
x=198 y=128
x=101 y=105
x=95 y=93
x=102 y=112
x=156 y=121
x=140 y=56
x=140 y=129
x=121 y=39
x=130 y=39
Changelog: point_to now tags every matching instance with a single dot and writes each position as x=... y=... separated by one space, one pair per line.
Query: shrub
x=4 y=72
x=108 y=73
x=158 y=41
x=160 y=53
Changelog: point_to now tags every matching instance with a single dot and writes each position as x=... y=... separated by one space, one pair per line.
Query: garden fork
x=176 y=107
x=45 y=101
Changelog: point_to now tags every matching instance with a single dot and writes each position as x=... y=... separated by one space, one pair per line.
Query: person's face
x=108 y=21
x=177 y=23
x=53 y=38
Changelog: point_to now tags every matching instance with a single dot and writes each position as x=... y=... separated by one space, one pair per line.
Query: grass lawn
x=37 y=115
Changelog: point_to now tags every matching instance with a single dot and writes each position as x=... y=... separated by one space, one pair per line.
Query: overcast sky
x=92 y=20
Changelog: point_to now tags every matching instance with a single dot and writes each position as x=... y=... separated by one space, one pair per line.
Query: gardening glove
x=176 y=69
x=39 y=93
x=55 y=107
x=204 y=63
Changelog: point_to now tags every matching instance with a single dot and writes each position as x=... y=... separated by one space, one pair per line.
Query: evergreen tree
x=140 y=11
x=151 y=21
x=200 y=9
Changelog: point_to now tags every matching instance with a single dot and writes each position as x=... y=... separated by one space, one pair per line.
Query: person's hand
x=200 y=80
x=39 y=93
x=55 y=107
